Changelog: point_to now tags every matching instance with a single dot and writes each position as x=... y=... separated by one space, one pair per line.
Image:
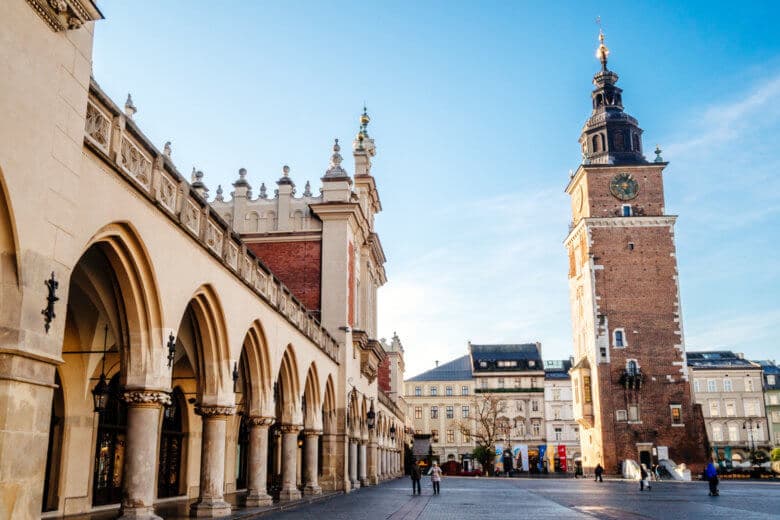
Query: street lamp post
x=749 y=425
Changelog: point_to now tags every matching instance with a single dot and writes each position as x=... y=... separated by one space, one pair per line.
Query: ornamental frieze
x=260 y=421
x=215 y=411
x=147 y=397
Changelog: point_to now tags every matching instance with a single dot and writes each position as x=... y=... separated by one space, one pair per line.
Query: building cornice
x=62 y=15
x=618 y=222
x=583 y=168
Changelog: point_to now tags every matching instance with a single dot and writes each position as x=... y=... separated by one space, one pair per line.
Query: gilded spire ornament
x=602 y=53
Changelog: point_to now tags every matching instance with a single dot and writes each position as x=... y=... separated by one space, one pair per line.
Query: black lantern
x=171 y=349
x=100 y=392
x=371 y=416
x=392 y=432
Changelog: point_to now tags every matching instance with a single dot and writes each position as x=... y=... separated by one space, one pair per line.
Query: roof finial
x=602 y=53
x=167 y=149
x=130 y=109
x=658 y=151
x=335 y=169
x=307 y=189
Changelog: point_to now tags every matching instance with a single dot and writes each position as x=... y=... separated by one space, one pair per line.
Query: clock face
x=623 y=186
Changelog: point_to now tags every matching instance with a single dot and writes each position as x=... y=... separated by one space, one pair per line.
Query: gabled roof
x=485 y=358
x=456 y=370
x=718 y=359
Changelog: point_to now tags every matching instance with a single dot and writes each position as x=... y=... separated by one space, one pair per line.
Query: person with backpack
x=711 y=474
x=416 y=475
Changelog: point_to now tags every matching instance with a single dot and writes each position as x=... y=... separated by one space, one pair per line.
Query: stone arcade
x=213 y=375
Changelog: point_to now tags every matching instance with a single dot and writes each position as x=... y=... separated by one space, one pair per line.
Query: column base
x=312 y=490
x=373 y=481
x=139 y=513
x=292 y=493
x=259 y=500
x=355 y=484
x=210 y=509
x=363 y=482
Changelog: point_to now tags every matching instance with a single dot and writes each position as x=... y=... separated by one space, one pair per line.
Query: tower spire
x=602 y=53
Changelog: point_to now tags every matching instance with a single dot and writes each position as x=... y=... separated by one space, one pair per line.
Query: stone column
x=362 y=463
x=373 y=477
x=290 y=489
x=210 y=501
x=257 y=467
x=353 y=464
x=143 y=419
x=311 y=445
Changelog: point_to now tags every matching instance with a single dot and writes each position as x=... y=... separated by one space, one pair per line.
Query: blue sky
x=476 y=110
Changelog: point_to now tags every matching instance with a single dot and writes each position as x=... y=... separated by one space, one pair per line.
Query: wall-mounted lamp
x=171 y=349
x=100 y=392
x=371 y=416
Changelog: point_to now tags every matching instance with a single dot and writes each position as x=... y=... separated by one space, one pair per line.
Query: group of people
x=434 y=472
x=710 y=475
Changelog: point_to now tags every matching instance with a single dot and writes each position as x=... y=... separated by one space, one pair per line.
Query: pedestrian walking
x=435 y=473
x=711 y=474
x=416 y=475
x=644 y=480
x=599 y=471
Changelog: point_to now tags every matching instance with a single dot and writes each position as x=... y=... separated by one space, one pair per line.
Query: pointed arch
x=203 y=335
x=288 y=405
x=329 y=407
x=255 y=365
x=312 y=400
x=117 y=277
x=10 y=265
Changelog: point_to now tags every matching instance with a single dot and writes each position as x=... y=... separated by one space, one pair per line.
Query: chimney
x=437 y=362
x=740 y=355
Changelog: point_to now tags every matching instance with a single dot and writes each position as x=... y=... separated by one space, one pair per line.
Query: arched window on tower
x=632 y=368
x=636 y=143
x=596 y=143
x=599 y=100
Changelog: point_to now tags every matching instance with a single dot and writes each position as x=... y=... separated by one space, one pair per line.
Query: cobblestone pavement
x=483 y=498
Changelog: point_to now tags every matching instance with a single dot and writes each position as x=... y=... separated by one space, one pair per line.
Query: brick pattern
x=298 y=266
x=636 y=290
x=383 y=375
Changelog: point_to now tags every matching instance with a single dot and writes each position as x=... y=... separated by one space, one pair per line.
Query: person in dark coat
x=416 y=475
x=711 y=474
x=599 y=471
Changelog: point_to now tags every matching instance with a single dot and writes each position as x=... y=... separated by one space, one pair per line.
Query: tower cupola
x=609 y=136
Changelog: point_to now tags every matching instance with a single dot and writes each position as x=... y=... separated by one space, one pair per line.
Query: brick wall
x=383 y=375
x=297 y=265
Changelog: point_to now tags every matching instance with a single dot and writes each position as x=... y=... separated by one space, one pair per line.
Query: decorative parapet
x=117 y=141
x=390 y=405
x=371 y=354
x=66 y=14
x=507 y=390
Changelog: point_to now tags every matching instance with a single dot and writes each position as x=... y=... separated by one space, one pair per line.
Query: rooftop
x=456 y=370
x=557 y=368
x=718 y=359
x=506 y=358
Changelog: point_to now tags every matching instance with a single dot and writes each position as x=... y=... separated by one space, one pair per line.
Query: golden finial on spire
x=602 y=53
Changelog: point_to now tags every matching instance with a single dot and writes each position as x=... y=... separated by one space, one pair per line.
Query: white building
x=562 y=431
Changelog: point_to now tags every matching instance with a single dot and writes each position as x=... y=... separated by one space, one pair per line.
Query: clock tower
x=631 y=393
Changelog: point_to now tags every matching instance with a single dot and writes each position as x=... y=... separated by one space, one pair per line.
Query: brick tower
x=631 y=393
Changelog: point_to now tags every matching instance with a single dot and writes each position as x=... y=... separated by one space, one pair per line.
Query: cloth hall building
x=155 y=344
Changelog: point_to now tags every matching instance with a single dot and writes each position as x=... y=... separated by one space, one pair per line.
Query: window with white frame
x=712 y=385
x=727 y=385
x=558 y=433
x=717 y=432
x=731 y=408
x=619 y=338
x=434 y=390
x=464 y=412
x=733 y=432
x=536 y=428
x=418 y=412
x=464 y=390
x=450 y=436
x=556 y=394
x=676 y=410
x=534 y=405
x=776 y=416
x=450 y=412
x=434 y=412
x=484 y=383
x=770 y=380
x=621 y=415
x=750 y=407
x=633 y=413
x=504 y=363
x=501 y=382
x=697 y=385
x=448 y=391
x=748 y=384
x=557 y=414
x=714 y=408
x=417 y=391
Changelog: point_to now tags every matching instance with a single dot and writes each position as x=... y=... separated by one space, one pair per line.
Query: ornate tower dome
x=610 y=136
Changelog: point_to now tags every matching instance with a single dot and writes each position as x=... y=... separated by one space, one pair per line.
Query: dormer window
x=483 y=364
x=626 y=211
x=531 y=363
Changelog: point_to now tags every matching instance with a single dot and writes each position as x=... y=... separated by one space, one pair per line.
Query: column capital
x=142 y=398
x=261 y=421
x=312 y=433
x=215 y=411
x=290 y=428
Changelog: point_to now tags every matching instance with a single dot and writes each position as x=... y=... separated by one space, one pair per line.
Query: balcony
x=632 y=379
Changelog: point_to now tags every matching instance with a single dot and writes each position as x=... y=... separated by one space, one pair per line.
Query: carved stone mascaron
x=261 y=421
x=290 y=428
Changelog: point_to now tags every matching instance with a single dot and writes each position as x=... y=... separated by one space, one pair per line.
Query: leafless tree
x=486 y=425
